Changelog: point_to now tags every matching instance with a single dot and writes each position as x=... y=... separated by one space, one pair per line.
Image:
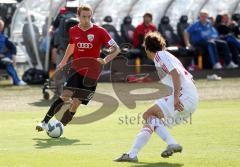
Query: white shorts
x=174 y=117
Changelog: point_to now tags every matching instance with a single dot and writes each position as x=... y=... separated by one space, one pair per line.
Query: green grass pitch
x=212 y=139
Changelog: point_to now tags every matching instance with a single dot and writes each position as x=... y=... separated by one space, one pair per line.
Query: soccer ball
x=55 y=129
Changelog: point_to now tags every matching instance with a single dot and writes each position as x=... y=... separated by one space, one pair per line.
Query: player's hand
x=101 y=61
x=189 y=46
x=178 y=105
x=61 y=65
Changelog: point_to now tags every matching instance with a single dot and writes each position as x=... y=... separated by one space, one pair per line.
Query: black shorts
x=82 y=87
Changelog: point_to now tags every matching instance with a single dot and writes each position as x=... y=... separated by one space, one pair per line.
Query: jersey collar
x=91 y=25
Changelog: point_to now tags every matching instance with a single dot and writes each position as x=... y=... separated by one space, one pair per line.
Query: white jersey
x=165 y=62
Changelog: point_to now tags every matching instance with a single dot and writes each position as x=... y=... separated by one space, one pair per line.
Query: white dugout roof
x=118 y=9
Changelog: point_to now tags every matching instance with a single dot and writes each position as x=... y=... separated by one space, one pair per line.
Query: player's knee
x=75 y=106
x=65 y=98
x=75 y=103
x=148 y=128
x=145 y=116
x=66 y=95
x=152 y=122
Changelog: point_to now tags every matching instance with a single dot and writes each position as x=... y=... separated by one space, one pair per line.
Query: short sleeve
x=12 y=48
x=106 y=38
x=167 y=63
x=190 y=28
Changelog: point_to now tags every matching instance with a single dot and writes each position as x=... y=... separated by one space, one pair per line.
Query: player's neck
x=85 y=27
x=151 y=55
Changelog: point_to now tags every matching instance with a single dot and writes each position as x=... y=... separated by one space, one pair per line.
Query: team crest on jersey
x=90 y=37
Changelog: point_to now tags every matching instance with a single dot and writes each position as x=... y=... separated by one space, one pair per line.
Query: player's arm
x=113 y=52
x=68 y=53
x=186 y=39
x=186 y=35
x=177 y=87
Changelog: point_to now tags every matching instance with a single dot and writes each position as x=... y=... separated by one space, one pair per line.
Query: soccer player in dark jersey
x=85 y=43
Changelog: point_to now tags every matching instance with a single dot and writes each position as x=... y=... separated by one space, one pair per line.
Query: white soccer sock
x=163 y=133
x=141 y=139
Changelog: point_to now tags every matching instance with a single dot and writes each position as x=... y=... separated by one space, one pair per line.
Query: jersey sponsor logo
x=84 y=45
x=90 y=37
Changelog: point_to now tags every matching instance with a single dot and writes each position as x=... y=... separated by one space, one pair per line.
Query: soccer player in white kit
x=169 y=110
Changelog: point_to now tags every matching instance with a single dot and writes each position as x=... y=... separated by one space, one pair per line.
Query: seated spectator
x=7 y=52
x=236 y=18
x=167 y=32
x=111 y=29
x=226 y=28
x=174 y=46
x=127 y=30
x=225 y=25
x=203 y=35
x=181 y=26
x=139 y=34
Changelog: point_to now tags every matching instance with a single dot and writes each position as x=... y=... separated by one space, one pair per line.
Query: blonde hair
x=84 y=7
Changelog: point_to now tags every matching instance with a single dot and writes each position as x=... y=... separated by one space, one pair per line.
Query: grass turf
x=211 y=140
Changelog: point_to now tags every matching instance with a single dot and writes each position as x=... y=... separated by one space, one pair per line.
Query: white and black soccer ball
x=55 y=129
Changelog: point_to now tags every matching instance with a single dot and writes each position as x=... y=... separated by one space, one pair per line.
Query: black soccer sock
x=55 y=107
x=67 y=117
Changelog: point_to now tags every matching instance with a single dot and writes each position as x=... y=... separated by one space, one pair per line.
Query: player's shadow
x=157 y=164
x=42 y=103
x=51 y=142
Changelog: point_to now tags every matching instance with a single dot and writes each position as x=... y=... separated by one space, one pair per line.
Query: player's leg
x=165 y=108
x=155 y=117
x=54 y=108
x=172 y=145
x=190 y=104
x=68 y=115
x=154 y=111
x=57 y=104
x=141 y=139
x=82 y=94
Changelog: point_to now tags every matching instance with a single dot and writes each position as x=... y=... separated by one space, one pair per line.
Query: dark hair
x=218 y=19
x=183 y=19
x=108 y=19
x=84 y=7
x=165 y=20
x=127 y=20
x=148 y=15
x=154 y=42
